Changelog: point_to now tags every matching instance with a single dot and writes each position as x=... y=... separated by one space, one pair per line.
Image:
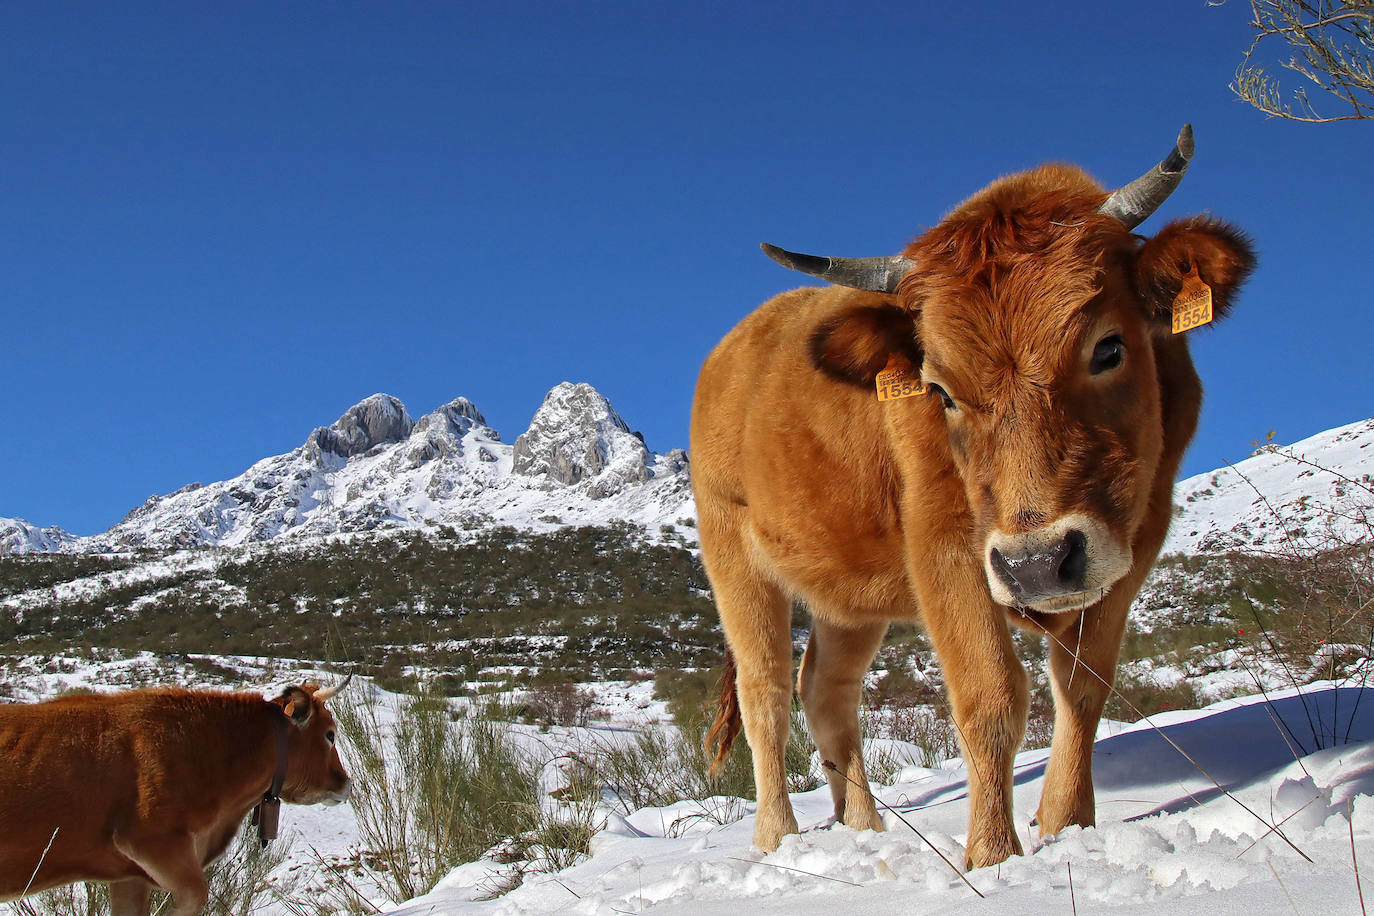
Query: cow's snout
x=1039 y=573
x=341 y=794
x=1067 y=564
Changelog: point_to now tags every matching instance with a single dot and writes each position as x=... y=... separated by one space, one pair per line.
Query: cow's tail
x=723 y=732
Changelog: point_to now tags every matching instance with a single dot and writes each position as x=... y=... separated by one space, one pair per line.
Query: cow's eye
x=936 y=389
x=329 y=736
x=1108 y=354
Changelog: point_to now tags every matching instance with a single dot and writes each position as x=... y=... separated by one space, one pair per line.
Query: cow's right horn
x=879 y=275
x=328 y=693
x=1133 y=203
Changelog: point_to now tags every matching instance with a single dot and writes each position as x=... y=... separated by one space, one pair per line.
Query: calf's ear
x=296 y=704
x=1222 y=255
x=854 y=345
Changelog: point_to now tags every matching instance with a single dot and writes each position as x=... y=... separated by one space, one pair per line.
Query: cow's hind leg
x=757 y=618
x=130 y=897
x=831 y=679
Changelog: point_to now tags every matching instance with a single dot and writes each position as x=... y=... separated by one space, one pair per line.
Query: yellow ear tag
x=1193 y=304
x=899 y=380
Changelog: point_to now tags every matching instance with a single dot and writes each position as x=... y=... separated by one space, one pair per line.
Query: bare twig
x=41 y=859
x=344 y=881
x=1281 y=726
x=1282 y=887
x=1311 y=30
x=1350 y=822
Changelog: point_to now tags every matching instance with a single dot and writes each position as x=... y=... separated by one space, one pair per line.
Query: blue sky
x=226 y=223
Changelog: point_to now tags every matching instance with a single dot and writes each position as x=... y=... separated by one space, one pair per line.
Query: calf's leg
x=1082 y=665
x=757 y=619
x=830 y=682
x=987 y=692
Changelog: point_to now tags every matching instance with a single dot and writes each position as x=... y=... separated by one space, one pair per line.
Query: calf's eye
x=1108 y=354
x=936 y=389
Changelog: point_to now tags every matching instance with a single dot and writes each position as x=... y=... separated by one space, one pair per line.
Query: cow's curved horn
x=880 y=275
x=328 y=693
x=1133 y=203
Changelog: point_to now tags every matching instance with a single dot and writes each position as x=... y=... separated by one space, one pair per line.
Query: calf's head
x=314 y=773
x=1037 y=320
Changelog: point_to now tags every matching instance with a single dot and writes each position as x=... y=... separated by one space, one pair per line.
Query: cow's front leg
x=1083 y=654
x=987 y=690
x=172 y=862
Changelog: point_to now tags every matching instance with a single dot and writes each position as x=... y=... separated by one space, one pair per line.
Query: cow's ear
x=296 y=704
x=1221 y=254
x=854 y=345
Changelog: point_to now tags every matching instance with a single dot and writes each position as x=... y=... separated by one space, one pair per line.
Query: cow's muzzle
x=1051 y=572
x=341 y=795
x=1065 y=565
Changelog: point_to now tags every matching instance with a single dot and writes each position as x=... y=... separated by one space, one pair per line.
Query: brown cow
x=146 y=788
x=1029 y=486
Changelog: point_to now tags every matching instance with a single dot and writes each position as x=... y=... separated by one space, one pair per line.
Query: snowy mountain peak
x=576 y=437
x=375 y=468
x=19 y=536
x=376 y=420
x=455 y=429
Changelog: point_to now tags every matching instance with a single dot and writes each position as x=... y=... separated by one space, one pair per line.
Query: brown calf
x=146 y=788
x=1030 y=485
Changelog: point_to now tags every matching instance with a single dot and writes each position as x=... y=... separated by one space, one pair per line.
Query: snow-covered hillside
x=376 y=468
x=1319 y=489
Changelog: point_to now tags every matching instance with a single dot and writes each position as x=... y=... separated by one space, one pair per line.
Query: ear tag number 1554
x=899 y=380
x=1193 y=304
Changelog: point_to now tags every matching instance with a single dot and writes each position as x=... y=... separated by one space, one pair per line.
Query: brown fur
x=809 y=488
x=147 y=787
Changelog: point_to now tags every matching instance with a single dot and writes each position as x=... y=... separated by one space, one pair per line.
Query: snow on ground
x=1168 y=841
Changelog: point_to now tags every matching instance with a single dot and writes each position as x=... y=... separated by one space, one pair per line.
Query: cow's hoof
x=991 y=849
x=1051 y=824
x=864 y=820
x=769 y=831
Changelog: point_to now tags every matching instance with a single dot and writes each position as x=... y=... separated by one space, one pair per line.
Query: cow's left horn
x=328 y=693
x=1133 y=203
x=880 y=275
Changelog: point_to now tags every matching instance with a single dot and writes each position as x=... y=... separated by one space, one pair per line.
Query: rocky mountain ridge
x=579 y=462
x=375 y=468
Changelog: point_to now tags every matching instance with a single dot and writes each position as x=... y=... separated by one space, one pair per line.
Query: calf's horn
x=880 y=275
x=328 y=693
x=1133 y=203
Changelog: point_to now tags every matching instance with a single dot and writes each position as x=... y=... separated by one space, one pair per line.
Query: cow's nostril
x=1004 y=572
x=1074 y=566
